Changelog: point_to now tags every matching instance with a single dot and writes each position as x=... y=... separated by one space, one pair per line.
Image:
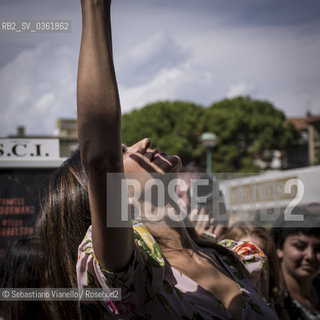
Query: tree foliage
x=246 y=129
x=174 y=127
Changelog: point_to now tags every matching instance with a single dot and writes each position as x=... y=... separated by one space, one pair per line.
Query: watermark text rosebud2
x=155 y=198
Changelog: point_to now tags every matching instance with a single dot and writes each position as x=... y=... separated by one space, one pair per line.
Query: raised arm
x=99 y=130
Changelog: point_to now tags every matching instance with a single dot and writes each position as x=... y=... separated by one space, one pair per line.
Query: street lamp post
x=209 y=140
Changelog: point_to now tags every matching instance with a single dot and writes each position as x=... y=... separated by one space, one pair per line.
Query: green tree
x=174 y=127
x=247 y=129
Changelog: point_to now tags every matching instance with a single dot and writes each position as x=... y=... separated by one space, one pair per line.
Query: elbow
x=96 y=160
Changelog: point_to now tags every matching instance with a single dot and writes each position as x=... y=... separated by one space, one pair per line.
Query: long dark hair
x=61 y=227
x=23 y=267
x=309 y=226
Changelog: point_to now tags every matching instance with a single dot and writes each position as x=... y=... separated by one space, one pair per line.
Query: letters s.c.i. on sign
x=32 y=149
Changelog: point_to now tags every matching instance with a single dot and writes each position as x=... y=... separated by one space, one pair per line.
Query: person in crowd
x=246 y=231
x=23 y=267
x=162 y=273
x=298 y=248
x=202 y=218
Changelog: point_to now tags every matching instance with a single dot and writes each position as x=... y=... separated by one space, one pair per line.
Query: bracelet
x=209 y=235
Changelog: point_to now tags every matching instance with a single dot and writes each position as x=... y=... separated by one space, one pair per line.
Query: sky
x=195 y=50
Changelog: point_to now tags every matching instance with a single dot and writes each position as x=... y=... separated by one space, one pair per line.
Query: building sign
x=19 y=203
x=25 y=167
x=261 y=192
x=32 y=149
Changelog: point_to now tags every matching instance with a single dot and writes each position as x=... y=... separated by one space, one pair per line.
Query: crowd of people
x=166 y=269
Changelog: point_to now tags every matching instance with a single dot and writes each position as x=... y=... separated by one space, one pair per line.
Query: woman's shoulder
x=147 y=245
x=144 y=241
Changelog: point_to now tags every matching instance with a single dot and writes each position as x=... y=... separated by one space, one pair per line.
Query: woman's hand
x=205 y=226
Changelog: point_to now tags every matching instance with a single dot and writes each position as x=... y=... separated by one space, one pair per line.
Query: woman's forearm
x=99 y=130
x=99 y=114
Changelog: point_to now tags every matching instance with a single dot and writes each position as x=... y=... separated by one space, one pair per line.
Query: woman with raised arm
x=162 y=272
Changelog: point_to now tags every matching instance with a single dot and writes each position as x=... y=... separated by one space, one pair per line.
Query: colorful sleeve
x=254 y=260
x=139 y=282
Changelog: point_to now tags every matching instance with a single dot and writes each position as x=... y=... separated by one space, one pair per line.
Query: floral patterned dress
x=152 y=289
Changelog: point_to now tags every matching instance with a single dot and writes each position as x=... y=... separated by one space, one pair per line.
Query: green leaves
x=246 y=129
x=174 y=127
